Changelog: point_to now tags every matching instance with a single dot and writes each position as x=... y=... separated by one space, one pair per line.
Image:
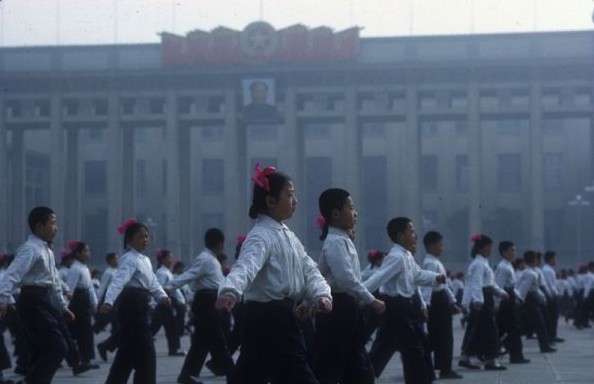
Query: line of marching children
x=272 y=290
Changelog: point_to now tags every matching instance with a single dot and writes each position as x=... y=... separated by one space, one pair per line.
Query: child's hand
x=324 y=305
x=303 y=311
x=105 y=308
x=166 y=301
x=378 y=306
x=225 y=303
x=68 y=316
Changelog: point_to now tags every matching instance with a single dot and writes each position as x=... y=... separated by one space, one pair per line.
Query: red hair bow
x=240 y=239
x=122 y=228
x=475 y=238
x=158 y=252
x=72 y=244
x=320 y=221
x=261 y=178
x=64 y=254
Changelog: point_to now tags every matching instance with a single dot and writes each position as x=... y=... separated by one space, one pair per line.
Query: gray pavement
x=573 y=363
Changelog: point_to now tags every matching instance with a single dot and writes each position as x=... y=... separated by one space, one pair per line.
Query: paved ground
x=572 y=364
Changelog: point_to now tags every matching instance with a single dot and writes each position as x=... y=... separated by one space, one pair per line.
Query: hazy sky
x=50 y=22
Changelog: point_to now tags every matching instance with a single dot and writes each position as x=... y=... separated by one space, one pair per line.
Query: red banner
x=260 y=42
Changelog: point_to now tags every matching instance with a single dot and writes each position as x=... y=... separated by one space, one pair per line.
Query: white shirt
x=543 y=284
x=11 y=299
x=339 y=264
x=368 y=271
x=432 y=263
x=204 y=273
x=478 y=276
x=550 y=279
x=588 y=284
x=80 y=277
x=106 y=278
x=529 y=282
x=505 y=275
x=135 y=271
x=456 y=285
x=399 y=274
x=164 y=276
x=33 y=264
x=273 y=265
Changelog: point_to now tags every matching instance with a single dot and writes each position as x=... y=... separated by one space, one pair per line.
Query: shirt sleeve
x=156 y=288
x=56 y=291
x=23 y=261
x=121 y=277
x=72 y=278
x=422 y=277
x=315 y=285
x=192 y=274
x=253 y=256
x=551 y=280
x=105 y=280
x=475 y=283
x=425 y=291
x=343 y=271
x=391 y=267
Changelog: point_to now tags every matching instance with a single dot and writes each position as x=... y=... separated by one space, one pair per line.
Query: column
x=411 y=188
x=72 y=214
x=3 y=179
x=128 y=166
x=172 y=202
x=236 y=217
x=115 y=172
x=536 y=193
x=353 y=153
x=474 y=159
x=290 y=155
x=186 y=211
x=57 y=179
x=19 y=219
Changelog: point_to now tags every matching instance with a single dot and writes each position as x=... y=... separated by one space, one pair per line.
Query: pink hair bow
x=240 y=239
x=64 y=254
x=320 y=221
x=122 y=228
x=72 y=244
x=158 y=252
x=261 y=178
x=475 y=238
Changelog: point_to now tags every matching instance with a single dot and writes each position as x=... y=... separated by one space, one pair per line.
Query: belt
x=286 y=303
x=35 y=289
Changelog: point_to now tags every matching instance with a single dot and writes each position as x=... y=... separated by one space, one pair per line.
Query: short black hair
x=397 y=225
x=431 y=238
x=549 y=255
x=39 y=215
x=504 y=246
x=213 y=237
x=110 y=256
x=530 y=257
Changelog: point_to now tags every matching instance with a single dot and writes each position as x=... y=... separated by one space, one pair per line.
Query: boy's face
x=47 y=231
x=510 y=254
x=408 y=238
x=435 y=249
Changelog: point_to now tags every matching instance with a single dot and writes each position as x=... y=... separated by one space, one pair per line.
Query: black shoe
x=558 y=340
x=521 y=360
x=179 y=352
x=467 y=364
x=548 y=350
x=187 y=380
x=494 y=367
x=102 y=349
x=217 y=372
x=450 y=375
x=80 y=369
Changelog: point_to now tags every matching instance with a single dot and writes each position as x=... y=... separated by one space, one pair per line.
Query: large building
x=488 y=133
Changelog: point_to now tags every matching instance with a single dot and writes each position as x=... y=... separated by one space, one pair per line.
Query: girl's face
x=140 y=240
x=85 y=254
x=282 y=208
x=346 y=217
x=486 y=251
x=168 y=261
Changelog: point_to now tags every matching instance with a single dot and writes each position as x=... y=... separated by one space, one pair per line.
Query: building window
x=552 y=169
x=374 y=131
x=429 y=173
x=509 y=172
x=317 y=131
x=462 y=173
x=510 y=127
x=95 y=177
x=95 y=134
x=211 y=133
x=141 y=181
x=213 y=176
x=428 y=129
x=262 y=131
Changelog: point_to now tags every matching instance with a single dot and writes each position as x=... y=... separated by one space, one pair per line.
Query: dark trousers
x=164 y=316
x=482 y=336
x=401 y=330
x=441 y=334
x=41 y=322
x=208 y=337
x=82 y=326
x=272 y=346
x=372 y=319
x=537 y=318
x=509 y=324
x=552 y=317
x=112 y=342
x=180 y=316
x=136 y=347
x=340 y=355
x=234 y=340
